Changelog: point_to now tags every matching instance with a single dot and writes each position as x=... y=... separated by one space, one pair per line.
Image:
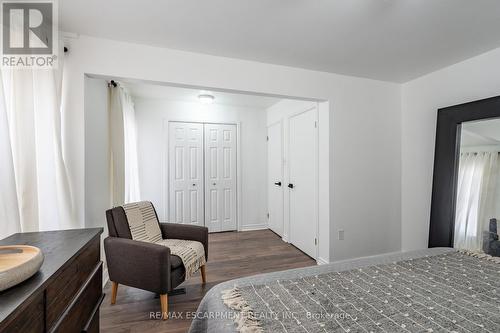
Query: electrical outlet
x=341 y=234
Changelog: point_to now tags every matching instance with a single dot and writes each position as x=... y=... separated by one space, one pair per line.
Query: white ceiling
x=151 y=91
x=481 y=133
x=393 y=40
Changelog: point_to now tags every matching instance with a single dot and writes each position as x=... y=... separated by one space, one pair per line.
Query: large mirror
x=465 y=205
x=478 y=188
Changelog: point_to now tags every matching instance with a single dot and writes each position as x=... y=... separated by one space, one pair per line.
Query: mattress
x=215 y=316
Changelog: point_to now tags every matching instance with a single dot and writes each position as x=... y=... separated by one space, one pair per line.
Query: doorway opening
x=227 y=160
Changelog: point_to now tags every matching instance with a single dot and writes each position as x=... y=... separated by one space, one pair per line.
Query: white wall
x=153 y=114
x=473 y=79
x=365 y=171
x=96 y=152
x=96 y=182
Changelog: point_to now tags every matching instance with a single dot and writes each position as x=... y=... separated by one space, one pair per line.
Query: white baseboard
x=250 y=227
x=321 y=261
x=367 y=257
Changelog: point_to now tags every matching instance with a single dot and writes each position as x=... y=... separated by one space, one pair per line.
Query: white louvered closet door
x=220 y=177
x=186 y=173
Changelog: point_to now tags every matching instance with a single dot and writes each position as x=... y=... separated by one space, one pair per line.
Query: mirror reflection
x=478 y=188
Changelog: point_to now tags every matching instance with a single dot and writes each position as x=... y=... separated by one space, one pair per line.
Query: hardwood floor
x=231 y=255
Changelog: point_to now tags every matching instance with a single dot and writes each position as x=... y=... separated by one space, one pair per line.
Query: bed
x=431 y=290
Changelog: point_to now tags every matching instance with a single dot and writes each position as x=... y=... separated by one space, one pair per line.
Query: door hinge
x=315 y=124
x=315 y=241
x=268 y=216
x=267 y=138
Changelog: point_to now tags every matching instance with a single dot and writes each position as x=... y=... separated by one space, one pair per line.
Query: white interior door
x=220 y=177
x=275 y=177
x=303 y=181
x=186 y=173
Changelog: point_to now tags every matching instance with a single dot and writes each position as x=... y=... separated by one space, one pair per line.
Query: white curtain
x=475 y=195
x=116 y=149
x=37 y=194
x=9 y=209
x=124 y=170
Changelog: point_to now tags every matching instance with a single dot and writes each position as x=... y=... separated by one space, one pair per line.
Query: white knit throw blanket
x=142 y=221
x=144 y=226
x=192 y=253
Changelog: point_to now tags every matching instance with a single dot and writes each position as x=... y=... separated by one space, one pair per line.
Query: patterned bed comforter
x=448 y=292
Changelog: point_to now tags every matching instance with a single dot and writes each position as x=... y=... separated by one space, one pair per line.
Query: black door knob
x=277 y=183
x=290 y=185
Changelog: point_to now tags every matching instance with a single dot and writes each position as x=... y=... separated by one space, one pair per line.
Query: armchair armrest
x=138 y=264
x=187 y=232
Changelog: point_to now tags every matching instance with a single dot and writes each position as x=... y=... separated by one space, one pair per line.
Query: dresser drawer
x=29 y=320
x=93 y=324
x=65 y=295
x=78 y=316
x=62 y=290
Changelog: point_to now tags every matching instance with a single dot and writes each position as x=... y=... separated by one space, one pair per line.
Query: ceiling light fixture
x=206 y=98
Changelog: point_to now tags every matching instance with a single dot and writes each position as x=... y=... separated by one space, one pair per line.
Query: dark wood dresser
x=65 y=295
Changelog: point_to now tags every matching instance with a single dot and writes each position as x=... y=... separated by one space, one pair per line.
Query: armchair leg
x=203 y=274
x=164 y=306
x=114 y=290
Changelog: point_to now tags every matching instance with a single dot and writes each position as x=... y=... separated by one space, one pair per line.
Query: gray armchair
x=143 y=265
x=491 y=243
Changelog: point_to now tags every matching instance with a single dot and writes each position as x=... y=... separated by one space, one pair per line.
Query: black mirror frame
x=446 y=157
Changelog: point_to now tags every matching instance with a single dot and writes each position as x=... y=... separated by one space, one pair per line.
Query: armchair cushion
x=175 y=261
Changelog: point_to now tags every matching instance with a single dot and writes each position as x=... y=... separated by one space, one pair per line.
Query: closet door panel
x=220 y=177
x=186 y=173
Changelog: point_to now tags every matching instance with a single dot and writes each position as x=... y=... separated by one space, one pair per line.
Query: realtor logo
x=29 y=34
